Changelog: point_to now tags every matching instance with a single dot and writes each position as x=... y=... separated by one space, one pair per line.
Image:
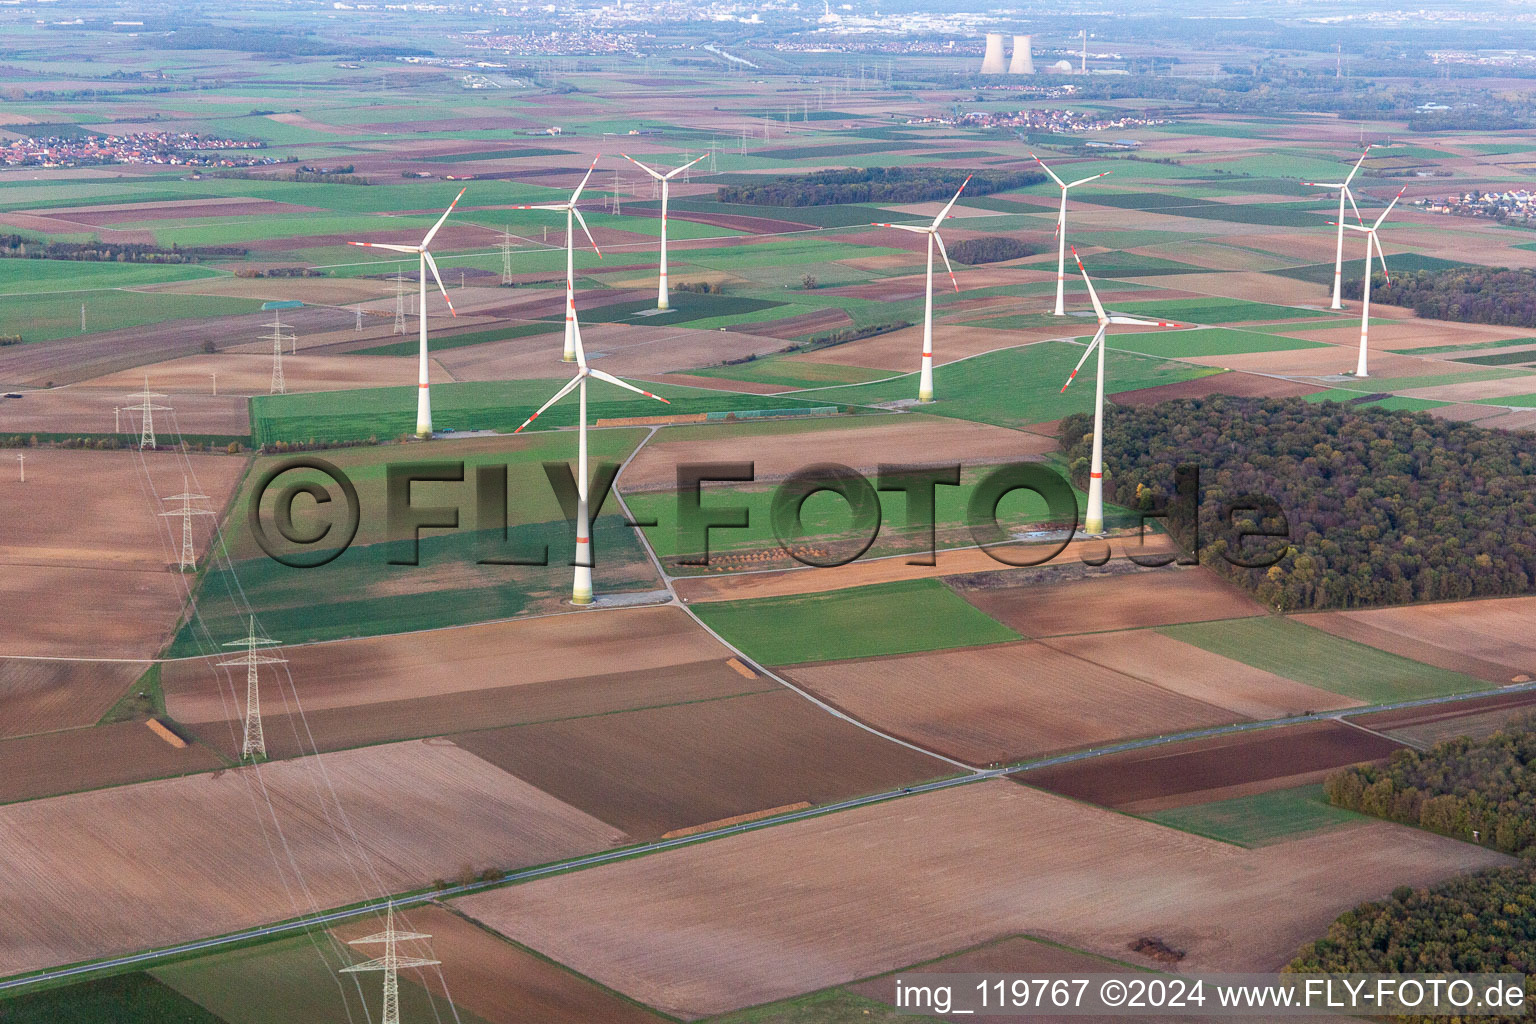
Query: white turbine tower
x=1344 y=193
x=665 y=179
x=570 y=211
x=925 y=382
x=1093 y=522
x=1371 y=240
x=581 y=587
x=424 y=261
x=1061 y=232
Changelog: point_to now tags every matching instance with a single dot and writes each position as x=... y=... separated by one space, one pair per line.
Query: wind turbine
x=1371 y=239
x=581 y=588
x=569 y=207
x=424 y=261
x=665 y=179
x=1061 y=232
x=1093 y=522
x=925 y=382
x=1344 y=193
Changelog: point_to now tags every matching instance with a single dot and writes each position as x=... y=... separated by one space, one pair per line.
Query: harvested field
x=625 y=350
x=1133 y=600
x=767 y=915
x=80 y=759
x=101 y=509
x=1242 y=385
x=880 y=570
x=492 y=656
x=127 y=213
x=69 y=612
x=1497 y=629
x=1320 y=362
x=781 y=449
x=1350 y=626
x=805 y=323
x=1199 y=674
x=88 y=411
x=751 y=225
x=654 y=771
x=1473 y=390
x=105 y=867
x=1477 y=717
x=898 y=351
x=49 y=694
x=1213 y=768
x=251 y=374
x=1003 y=703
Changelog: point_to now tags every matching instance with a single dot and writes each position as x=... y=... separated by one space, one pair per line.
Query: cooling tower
x=1023 y=62
x=992 y=61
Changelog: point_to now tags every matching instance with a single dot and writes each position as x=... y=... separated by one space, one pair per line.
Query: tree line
x=22 y=247
x=872 y=185
x=1478 y=295
x=1383 y=507
x=993 y=249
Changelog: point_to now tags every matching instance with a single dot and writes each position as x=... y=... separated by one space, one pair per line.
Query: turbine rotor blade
x=432 y=263
x=1375 y=240
x=945 y=212
x=611 y=379
x=917 y=229
x=1138 y=322
x=655 y=174
x=1097 y=338
x=1351 y=176
x=558 y=395
x=583 y=222
x=1351 y=197
x=544 y=206
x=1084 y=181
x=679 y=170
x=947 y=267
x=1048 y=171
x=577 y=194
x=428 y=240
x=1389 y=207
x=391 y=248
x=1097 y=306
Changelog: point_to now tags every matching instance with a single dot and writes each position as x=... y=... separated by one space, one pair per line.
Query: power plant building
x=992 y=60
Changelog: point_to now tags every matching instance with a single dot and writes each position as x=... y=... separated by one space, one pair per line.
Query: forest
x=1479 y=295
x=1480 y=791
x=21 y=247
x=872 y=185
x=1381 y=507
x=992 y=249
x=1484 y=922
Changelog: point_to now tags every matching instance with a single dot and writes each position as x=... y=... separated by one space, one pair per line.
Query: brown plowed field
x=860 y=444
x=650 y=772
x=1472 y=391
x=1322 y=362
x=626 y=350
x=290 y=734
x=899 y=351
x=44 y=695
x=1133 y=600
x=370 y=670
x=1408 y=644
x=69 y=612
x=502 y=984
x=93 y=758
x=251 y=374
x=1243 y=385
x=101 y=509
x=751 y=225
x=1477 y=717
x=805 y=323
x=986 y=705
x=90 y=411
x=963 y=561
x=420 y=812
x=1497 y=629
x=1198 y=674
x=1197 y=771
x=799 y=907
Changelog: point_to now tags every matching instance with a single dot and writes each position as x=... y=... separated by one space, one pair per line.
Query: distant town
x=1511 y=204
x=1066 y=122
x=171 y=149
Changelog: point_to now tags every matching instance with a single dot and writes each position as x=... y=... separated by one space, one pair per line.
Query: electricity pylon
x=279 y=386
x=147 y=409
x=255 y=743
x=399 y=302
x=506 y=256
x=358 y=323
x=390 y=963
x=188 y=559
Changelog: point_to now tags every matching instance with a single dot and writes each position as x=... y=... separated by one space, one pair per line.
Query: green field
x=1207 y=341
x=1465 y=346
x=123 y=999
x=482 y=405
x=46 y=317
x=1261 y=819
x=1017 y=387
x=1296 y=215
x=1322 y=273
x=1212 y=311
x=1389 y=402
x=438 y=343
x=792 y=373
x=684 y=307
x=28 y=276
x=1288 y=648
x=862 y=622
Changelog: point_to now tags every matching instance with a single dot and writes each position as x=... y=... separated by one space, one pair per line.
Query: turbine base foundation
x=925 y=397
x=1093 y=527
